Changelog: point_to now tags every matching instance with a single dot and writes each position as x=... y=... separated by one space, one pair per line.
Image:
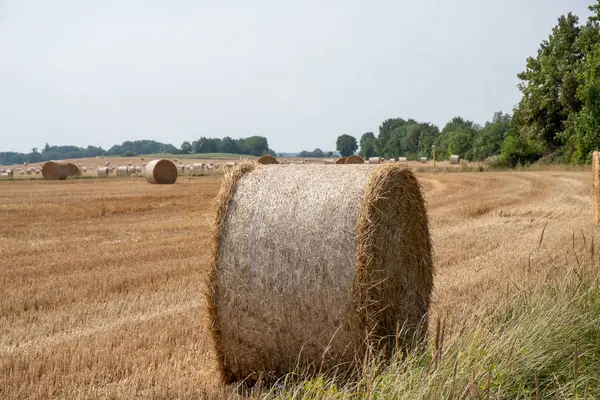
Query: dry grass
x=101 y=278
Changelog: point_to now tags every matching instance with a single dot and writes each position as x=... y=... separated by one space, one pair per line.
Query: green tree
x=368 y=145
x=186 y=147
x=386 y=130
x=346 y=145
x=229 y=145
x=488 y=141
x=457 y=138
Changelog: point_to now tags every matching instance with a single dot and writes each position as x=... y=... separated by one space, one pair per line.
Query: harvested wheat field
x=101 y=279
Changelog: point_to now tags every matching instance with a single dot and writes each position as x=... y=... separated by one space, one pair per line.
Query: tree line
x=254 y=145
x=556 y=120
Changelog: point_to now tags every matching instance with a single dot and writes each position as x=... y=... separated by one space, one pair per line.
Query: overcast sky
x=102 y=72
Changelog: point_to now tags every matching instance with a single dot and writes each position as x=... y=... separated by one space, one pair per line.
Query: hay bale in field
x=122 y=171
x=423 y=160
x=341 y=160
x=9 y=172
x=73 y=169
x=83 y=169
x=131 y=169
x=596 y=182
x=454 y=159
x=269 y=159
x=402 y=159
x=216 y=165
x=354 y=159
x=229 y=164
x=54 y=171
x=138 y=169
x=198 y=167
x=4 y=175
x=374 y=160
x=103 y=172
x=107 y=163
x=308 y=258
x=28 y=171
x=162 y=172
x=329 y=161
x=392 y=160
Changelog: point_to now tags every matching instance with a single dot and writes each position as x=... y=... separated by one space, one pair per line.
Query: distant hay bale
x=162 y=172
x=131 y=170
x=138 y=169
x=28 y=171
x=329 y=161
x=73 y=169
x=198 y=167
x=103 y=172
x=454 y=159
x=181 y=169
x=306 y=259
x=4 y=175
x=107 y=163
x=9 y=172
x=596 y=182
x=392 y=160
x=374 y=160
x=354 y=159
x=83 y=169
x=216 y=165
x=54 y=171
x=423 y=160
x=402 y=159
x=229 y=164
x=25 y=163
x=129 y=164
x=122 y=171
x=341 y=160
x=269 y=159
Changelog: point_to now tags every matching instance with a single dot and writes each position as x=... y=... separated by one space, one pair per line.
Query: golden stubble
x=101 y=280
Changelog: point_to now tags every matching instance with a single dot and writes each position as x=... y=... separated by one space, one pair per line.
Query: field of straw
x=101 y=279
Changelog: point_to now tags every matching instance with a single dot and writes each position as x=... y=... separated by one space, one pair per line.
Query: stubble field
x=101 y=279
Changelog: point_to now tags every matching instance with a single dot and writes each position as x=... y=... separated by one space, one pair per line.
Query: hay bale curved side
x=162 y=172
x=54 y=171
x=341 y=160
x=354 y=159
x=122 y=171
x=72 y=169
x=423 y=160
x=267 y=159
x=454 y=159
x=374 y=160
x=103 y=172
x=294 y=273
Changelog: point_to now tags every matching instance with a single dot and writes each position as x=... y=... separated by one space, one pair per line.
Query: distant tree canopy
x=254 y=145
x=346 y=145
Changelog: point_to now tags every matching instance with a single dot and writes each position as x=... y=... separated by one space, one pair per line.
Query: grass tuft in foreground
x=542 y=344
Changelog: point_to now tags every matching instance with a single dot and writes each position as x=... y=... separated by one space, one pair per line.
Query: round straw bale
x=9 y=172
x=354 y=159
x=307 y=259
x=4 y=175
x=402 y=159
x=138 y=169
x=198 y=167
x=54 y=171
x=423 y=160
x=229 y=164
x=28 y=171
x=131 y=170
x=454 y=159
x=161 y=172
x=392 y=160
x=329 y=161
x=103 y=172
x=122 y=171
x=107 y=163
x=73 y=169
x=374 y=160
x=268 y=159
x=341 y=160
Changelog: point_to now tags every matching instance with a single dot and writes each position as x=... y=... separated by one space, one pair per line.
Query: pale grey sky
x=101 y=72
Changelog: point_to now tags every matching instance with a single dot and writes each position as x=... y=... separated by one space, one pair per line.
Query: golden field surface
x=101 y=279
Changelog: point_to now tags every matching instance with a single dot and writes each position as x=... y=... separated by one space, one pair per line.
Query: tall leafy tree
x=368 y=145
x=346 y=145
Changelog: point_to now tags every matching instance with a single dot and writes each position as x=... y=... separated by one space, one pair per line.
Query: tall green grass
x=536 y=345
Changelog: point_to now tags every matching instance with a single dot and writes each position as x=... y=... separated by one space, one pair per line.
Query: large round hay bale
x=374 y=160
x=131 y=169
x=161 y=172
x=329 y=161
x=306 y=259
x=423 y=160
x=402 y=159
x=341 y=160
x=103 y=172
x=198 y=167
x=122 y=171
x=354 y=159
x=54 y=171
x=596 y=182
x=267 y=159
x=73 y=169
x=454 y=159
